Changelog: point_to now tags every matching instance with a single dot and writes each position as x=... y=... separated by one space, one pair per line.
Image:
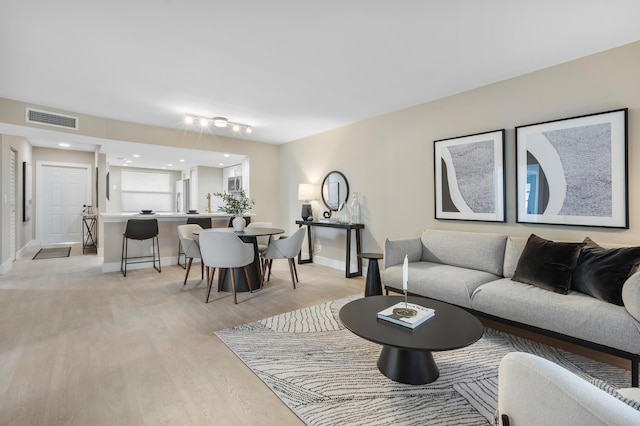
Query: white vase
x=238 y=223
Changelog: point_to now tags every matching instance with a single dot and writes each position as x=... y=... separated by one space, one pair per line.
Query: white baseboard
x=6 y=266
x=335 y=264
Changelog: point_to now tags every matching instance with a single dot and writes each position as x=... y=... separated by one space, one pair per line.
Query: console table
x=356 y=227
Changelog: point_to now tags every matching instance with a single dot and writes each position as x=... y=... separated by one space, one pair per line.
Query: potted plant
x=236 y=205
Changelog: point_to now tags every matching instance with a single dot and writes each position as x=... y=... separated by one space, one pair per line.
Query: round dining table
x=248 y=235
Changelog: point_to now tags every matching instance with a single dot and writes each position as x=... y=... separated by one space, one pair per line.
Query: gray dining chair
x=284 y=248
x=225 y=250
x=191 y=248
x=263 y=240
x=205 y=223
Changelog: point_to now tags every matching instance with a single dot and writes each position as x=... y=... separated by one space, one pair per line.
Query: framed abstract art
x=574 y=171
x=469 y=177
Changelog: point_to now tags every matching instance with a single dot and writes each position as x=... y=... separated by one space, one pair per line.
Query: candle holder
x=405 y=312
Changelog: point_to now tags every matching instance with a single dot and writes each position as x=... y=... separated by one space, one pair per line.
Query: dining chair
x=284 y=248
x=140 y=230
x=225 y=251
x=205 y=223
x=263 y=240
x=189 y=243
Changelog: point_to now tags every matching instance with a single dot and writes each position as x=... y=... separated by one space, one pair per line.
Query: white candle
x=405 y=272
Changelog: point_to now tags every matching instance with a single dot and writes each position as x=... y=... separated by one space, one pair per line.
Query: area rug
x=51 y=253
x=327 y=375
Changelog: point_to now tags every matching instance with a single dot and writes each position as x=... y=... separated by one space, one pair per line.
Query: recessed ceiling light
x=66 y=145
x=220 y=164
x=169 y=165
x=227 y=155
x=136 y=155
x=129 y=161
x=181 y=160
x=188 y=119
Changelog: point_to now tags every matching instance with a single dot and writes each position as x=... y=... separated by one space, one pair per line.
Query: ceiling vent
x=51 y=119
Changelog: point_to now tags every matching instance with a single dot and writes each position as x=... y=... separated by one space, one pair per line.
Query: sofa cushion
x=574 y=314
x=601 y=272
x=512 y=253
x=483 y=252
x=447 y=283
x=547 y=264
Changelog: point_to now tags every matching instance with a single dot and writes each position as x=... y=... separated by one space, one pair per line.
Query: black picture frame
x=469 y=177
x=574 y=171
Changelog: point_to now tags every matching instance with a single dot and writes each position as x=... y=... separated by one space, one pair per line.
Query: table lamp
x=306 y=194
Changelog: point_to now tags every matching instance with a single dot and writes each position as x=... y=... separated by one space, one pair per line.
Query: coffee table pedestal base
x=410 y=367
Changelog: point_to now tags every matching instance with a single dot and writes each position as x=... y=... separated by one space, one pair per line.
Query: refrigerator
x=183 y=195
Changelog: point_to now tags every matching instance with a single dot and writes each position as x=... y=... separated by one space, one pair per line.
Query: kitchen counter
x=114 y=225
x=162 y=216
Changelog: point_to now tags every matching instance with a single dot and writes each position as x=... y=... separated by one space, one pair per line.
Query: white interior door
x=12 y=202
x=63 y=190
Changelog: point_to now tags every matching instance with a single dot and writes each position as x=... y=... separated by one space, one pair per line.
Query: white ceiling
x=290 y=68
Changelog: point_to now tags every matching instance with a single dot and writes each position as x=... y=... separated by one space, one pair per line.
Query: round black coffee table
x=406 y=353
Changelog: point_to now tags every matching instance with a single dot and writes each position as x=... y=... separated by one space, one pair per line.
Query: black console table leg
x=410 y=367
x=302 y=261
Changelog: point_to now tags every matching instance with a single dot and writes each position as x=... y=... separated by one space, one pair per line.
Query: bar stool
x=205 y=223
x=140 y=229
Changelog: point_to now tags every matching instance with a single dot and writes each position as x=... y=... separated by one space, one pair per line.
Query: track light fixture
x=220 y=122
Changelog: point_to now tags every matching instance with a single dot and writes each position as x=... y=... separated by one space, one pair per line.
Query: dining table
x=254 y=270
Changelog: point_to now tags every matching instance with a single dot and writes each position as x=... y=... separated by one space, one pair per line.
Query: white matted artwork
x=469 y=177
x=573 y=171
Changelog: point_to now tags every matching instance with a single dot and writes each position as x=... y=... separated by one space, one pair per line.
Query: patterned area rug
x=327 y=375
x=51 y=253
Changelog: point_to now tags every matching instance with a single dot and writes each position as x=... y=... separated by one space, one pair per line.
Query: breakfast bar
x=114 y=225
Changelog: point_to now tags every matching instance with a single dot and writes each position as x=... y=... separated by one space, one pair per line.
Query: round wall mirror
x=335 y=190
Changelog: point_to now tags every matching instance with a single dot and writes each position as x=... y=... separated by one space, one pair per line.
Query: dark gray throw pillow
x=547 y=264
x=601 y=272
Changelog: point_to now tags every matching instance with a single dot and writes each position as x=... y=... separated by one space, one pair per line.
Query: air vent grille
x=51 y=119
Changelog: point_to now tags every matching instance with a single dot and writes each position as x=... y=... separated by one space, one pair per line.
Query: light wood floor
x=80 y=347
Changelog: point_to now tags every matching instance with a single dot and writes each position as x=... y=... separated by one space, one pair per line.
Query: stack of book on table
x=397 y=314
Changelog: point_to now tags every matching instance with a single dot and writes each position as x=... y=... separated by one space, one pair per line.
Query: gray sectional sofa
x=474 y=271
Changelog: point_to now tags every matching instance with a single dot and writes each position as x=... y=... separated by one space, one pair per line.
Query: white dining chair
x=284 y=248
x=263 y=240
x=225 y=250
x=191 y=248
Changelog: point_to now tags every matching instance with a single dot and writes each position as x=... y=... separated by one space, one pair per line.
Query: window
x=146 y=190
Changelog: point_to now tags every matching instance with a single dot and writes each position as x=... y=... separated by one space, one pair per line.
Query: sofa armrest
x=631 y=295
x=394 y=251
x=535 y=391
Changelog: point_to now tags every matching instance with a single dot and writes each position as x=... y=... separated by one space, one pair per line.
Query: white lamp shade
x=306 y=192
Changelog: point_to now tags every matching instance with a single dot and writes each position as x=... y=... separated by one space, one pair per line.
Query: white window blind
x=146 y=190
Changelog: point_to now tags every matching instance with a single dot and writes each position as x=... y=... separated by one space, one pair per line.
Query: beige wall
x=24 y=230
x=263 y=175
x=389 y=159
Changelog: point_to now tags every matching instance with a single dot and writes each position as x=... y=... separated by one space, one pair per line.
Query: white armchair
x=535 y=391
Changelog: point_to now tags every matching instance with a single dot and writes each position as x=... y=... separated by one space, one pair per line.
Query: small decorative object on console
x=396 y=314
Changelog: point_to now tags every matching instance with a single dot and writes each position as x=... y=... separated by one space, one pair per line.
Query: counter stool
x=373 y=286
x=140 y=229
x=205 y=223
